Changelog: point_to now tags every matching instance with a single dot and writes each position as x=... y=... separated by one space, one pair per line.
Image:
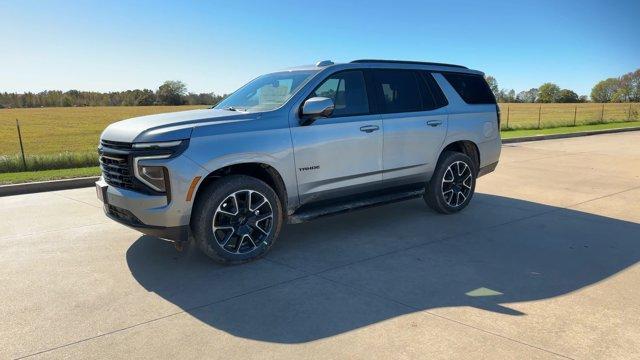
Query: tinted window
x=437 y=93
x=428 y=102
x=348 y=92
x=399 y=90
x=473 y=89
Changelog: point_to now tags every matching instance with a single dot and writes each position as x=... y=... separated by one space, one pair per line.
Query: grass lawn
x=509 y=134
x=31 y=176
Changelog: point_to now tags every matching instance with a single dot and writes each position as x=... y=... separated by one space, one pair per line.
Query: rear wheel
x=237 y=219
x=453 y=183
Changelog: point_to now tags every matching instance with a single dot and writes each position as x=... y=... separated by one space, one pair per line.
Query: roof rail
x=406 y=62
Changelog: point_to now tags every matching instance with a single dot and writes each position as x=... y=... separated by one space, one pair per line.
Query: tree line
x=625 y=88
x=169 y=93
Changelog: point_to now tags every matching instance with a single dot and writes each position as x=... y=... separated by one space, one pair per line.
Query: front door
x=341 y=154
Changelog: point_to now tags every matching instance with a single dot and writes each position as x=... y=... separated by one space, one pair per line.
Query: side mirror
x=316 y=107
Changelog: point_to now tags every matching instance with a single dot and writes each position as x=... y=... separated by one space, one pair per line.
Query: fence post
x=602 y=114
x=575 y=112
x=24 y=161
x=629 y=116
x=539 y=116
x=508 y=112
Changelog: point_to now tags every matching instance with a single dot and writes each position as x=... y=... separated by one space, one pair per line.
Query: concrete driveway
x=543 y=264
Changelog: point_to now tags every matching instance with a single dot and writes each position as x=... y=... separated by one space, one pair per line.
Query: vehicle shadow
x=496 y=252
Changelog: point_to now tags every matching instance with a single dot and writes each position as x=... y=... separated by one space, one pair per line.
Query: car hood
x=168 y=126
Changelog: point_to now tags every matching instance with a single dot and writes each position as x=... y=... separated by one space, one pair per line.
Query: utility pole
x=24 y=161
x=539 y=116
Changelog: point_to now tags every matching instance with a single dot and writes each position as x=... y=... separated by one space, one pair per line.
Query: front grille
x=117 y=171
x=116 y=144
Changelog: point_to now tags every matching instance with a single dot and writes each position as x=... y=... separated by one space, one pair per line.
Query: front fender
x=271 y=147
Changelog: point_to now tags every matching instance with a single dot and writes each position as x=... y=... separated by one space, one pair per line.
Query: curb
x=565 y=136
x=41 y=186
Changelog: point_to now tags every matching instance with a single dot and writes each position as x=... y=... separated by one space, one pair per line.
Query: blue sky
x=218 y=46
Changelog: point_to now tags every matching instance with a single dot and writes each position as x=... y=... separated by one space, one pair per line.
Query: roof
x=432 y=66
x=368 y=61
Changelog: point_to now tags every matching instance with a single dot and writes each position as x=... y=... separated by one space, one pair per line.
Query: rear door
x=342 y=154
x=414 y=123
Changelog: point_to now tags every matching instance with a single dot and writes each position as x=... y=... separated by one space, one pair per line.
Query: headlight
x=158 y=145
x=153 y=176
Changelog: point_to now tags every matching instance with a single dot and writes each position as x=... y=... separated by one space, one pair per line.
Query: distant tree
x=144 y=97
x=493 y=85
x=548 y=93
x=506 y=96
x=629 y=88
x=528 y=96
x=605 y=90
x=171 y=93
x=567 y=96
x=583 y=99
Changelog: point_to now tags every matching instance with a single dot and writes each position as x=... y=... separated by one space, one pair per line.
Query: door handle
x=369 y=128
x=434 y=123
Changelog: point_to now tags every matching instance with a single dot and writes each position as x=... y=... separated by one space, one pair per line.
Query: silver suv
x=297 y=144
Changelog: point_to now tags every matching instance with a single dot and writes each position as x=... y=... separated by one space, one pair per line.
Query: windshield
x=267 y=92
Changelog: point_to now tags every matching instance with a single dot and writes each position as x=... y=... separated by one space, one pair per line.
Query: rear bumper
x=487 y=169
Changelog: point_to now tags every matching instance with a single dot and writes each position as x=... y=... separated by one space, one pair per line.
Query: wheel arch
x=258 y=170
x=466 y=147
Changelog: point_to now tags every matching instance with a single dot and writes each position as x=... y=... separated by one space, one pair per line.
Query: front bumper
x=123 y=216
x=130 y=208
x=163 y=216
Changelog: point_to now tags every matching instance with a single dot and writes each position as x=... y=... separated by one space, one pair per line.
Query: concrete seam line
x=184 y=311
x=419 y=311
x=569 y=135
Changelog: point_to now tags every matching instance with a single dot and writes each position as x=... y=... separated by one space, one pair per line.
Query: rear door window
x=399 y=91
x=473 y=89
x=436 y=91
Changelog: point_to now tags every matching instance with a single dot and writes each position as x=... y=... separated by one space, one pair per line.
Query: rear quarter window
x=473 y=89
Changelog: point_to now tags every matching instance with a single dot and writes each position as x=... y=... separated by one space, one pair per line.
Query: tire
x=453 y=183
x=227 y=224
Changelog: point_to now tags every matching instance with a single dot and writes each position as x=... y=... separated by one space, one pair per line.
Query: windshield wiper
x=232 y=108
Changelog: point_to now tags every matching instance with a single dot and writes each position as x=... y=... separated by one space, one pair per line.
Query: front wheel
x=237 y=219
x=453 y=183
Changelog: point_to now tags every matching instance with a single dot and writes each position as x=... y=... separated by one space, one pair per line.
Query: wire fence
x=517 y=116
x=58 y=138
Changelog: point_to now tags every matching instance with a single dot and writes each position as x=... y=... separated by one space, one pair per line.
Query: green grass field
x=57 y=138
x=58 y=130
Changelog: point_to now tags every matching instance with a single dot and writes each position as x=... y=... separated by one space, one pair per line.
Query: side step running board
x=303 y=215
